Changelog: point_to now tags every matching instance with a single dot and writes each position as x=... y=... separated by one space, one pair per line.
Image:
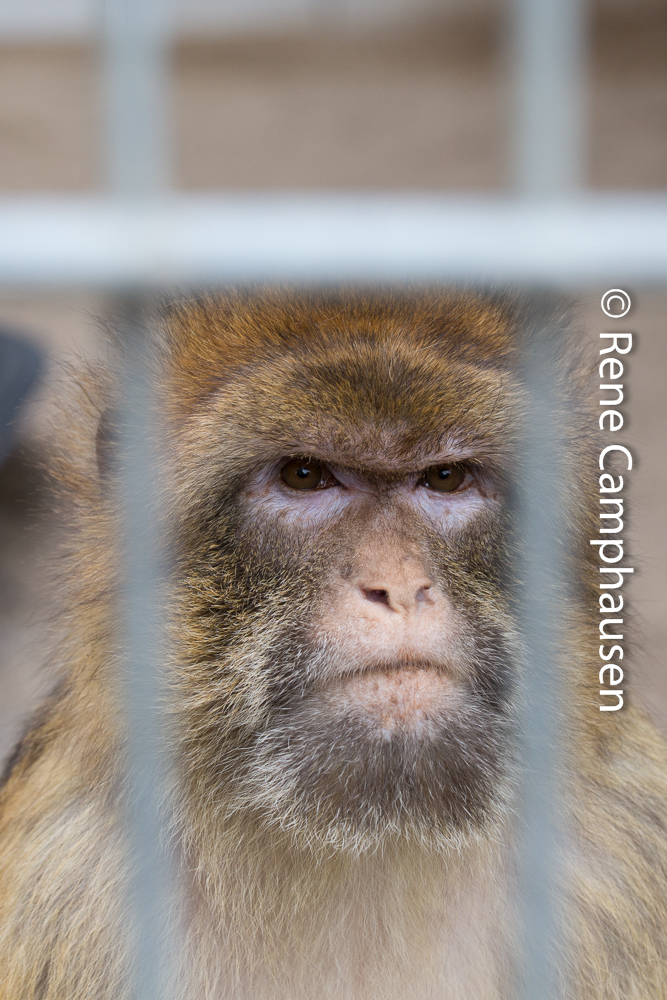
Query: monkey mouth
x=398 y=699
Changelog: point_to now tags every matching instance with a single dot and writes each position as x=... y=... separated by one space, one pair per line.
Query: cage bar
x=136 y=77
x=548 y=50
x=135 y=56
x=212 y=240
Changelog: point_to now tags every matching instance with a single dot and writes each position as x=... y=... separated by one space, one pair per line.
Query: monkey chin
x=379 y=756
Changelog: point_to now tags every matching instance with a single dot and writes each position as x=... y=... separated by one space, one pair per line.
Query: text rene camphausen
x=609 y=544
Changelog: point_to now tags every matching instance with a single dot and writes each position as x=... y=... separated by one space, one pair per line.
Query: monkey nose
x=406 y=596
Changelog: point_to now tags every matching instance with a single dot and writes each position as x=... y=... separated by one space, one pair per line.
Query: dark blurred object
x=20 y=367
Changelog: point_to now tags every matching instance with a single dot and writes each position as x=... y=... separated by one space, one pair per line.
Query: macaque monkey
x=342 y=661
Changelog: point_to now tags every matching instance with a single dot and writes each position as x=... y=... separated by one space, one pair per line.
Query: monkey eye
x=305 y=474
x=443 y=478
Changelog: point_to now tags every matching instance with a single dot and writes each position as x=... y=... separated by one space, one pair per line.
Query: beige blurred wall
x=422 y=105
x=69 y=20
x=425 y=106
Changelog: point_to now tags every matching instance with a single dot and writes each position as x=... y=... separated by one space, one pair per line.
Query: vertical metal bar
x=548 y=53
x=136 y=75
x=136 y=67
x=143 y=563
x=548 y=62
x=543 y=523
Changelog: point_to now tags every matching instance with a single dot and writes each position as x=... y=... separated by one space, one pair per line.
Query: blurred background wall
x=58 y=19
x=50 y=20
x=314 y=94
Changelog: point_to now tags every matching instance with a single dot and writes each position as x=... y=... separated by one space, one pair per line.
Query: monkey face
x=347 y=591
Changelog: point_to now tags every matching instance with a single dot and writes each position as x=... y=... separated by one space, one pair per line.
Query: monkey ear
x=106 y=443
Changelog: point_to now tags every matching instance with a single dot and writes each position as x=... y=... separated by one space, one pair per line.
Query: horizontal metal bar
x=192 y=239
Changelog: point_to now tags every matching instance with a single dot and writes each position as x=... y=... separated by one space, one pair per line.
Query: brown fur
x=283 y=900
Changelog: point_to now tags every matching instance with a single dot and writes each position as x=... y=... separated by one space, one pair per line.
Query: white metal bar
x=548 y=63
x=197 y=240
x=549 y=77
x=152 y=889
x=136 y=90
x=543 y=522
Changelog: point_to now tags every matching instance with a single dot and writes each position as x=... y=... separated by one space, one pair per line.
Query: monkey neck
x=292 y=923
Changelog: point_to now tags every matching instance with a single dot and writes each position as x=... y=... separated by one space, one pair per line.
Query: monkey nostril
x=377 y=596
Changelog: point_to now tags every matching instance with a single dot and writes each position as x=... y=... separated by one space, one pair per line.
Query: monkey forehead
x=347 y=349
x=385 y=383
x=387 y=425
x=367 y=405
